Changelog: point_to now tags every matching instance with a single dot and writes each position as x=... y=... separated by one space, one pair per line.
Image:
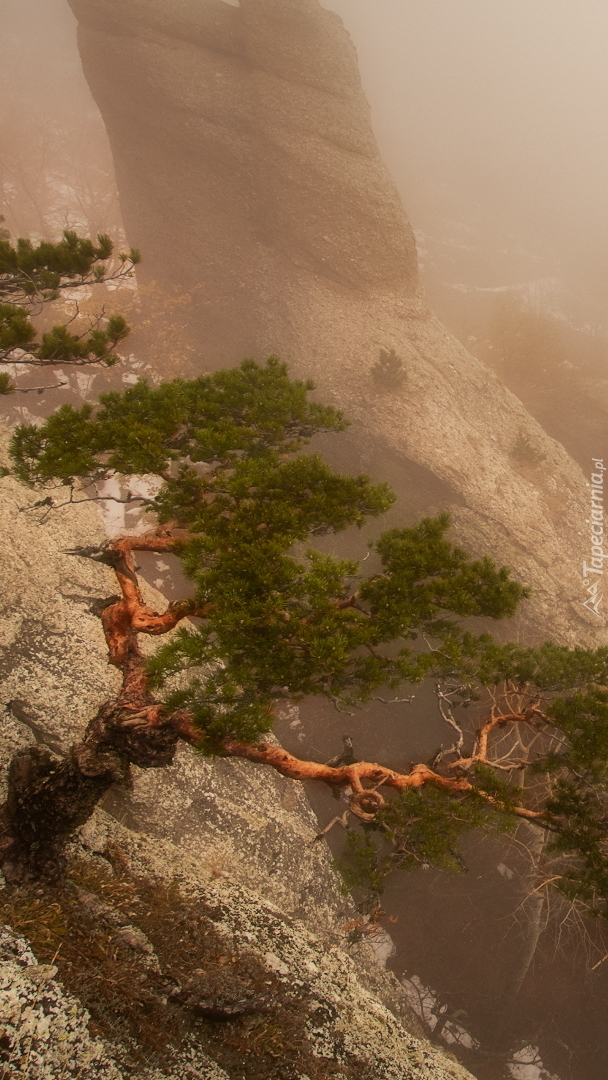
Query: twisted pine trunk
x=49 y=798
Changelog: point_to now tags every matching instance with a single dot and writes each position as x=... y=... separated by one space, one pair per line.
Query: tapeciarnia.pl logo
x=593 y=570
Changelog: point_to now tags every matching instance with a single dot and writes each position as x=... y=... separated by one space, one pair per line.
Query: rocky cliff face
x=249 y=132
x=238 y=840
x=250 y=178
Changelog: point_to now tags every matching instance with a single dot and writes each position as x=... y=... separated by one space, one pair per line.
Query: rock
x=40 y=973
x=44 y=1030
x=250 y=178
x=355 y=1010
x=229 y=833
x=124 y=932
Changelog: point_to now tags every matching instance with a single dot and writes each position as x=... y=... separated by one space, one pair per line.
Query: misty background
x=490 y=114
x=492 y=117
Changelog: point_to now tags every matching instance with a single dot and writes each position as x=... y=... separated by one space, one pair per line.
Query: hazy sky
x=488 y=112
x=496 y=109
x=39 y=58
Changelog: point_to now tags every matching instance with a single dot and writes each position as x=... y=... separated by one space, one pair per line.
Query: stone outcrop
x=355 y=1009
x=250 y=178
x=250 y=132
x=234 y=834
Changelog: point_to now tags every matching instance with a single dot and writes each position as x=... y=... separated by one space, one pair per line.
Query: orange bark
x=365 y=802
x=130 y=616
x=480 y=753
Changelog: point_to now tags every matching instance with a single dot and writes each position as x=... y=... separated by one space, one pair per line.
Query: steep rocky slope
x=250 y=178
x=227 y=840
x=232 y=817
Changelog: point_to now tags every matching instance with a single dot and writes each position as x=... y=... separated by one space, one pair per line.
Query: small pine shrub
x=525 y=452
x=388 y=369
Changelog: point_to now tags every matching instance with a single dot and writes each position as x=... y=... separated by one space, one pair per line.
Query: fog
x=492 y=117
x=56 y=169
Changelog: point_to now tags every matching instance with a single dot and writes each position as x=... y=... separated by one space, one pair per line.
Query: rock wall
x=250 y=178
x=252 y=133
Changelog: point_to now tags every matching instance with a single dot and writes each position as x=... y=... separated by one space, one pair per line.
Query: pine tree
x=32 y=275
x=236 y=496
x=388 y=369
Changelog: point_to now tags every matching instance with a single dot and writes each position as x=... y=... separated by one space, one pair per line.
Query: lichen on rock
x=45 y=1032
